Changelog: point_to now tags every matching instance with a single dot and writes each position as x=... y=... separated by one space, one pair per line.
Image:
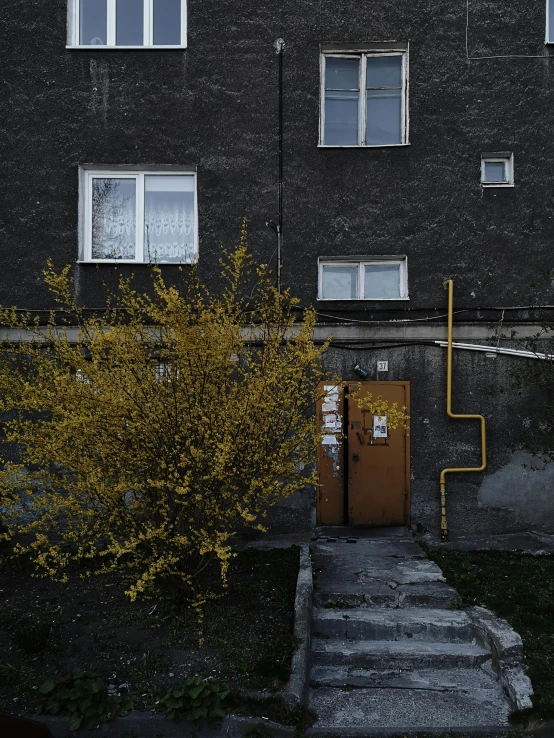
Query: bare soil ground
x=48 y=629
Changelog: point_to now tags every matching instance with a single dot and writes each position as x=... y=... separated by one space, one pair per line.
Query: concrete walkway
x=390 y=650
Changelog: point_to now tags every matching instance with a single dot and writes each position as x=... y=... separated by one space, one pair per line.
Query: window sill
x=136 y=263
x=364 y=146
x=124 y=48
x=363 y=299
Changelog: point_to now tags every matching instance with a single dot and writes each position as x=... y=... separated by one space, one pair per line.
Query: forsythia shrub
x=150 y=433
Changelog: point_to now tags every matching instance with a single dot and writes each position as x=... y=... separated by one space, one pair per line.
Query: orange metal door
x=378 y=468
x=330 y=456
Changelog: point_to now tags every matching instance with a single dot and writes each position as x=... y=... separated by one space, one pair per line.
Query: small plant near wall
x=196 y=699
x=83 y=697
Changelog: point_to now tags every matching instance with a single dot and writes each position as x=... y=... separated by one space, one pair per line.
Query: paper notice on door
x=329 y=407
x=380 y=426
x=330 y=420
x=329 y=441
x=331 y=393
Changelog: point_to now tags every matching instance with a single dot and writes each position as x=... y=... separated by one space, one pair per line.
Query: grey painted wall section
x=525 y=488
x=214 y=107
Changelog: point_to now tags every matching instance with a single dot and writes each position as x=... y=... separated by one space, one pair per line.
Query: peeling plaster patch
x=521 y=488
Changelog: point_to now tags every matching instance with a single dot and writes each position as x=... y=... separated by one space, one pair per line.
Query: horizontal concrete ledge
x=371 y=330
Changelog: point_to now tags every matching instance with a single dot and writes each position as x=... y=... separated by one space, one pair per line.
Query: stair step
x=397 y=654
x=358 y=711
x=373 y=593
x=439 y=680
x=381 y=624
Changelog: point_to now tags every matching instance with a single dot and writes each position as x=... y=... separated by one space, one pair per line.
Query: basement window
x=130 y=24
x=364 y=98
x=139 y=217
x=497 y=170
x=550 y=21
x=375 y=278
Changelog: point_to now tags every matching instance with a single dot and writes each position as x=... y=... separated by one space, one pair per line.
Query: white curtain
x=168 y=218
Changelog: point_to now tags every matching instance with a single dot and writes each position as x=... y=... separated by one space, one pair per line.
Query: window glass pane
x=384 y=71
x=495 y=171
x=341 y=118
x=340 y=282
x=169 y=218
x=550 y=20
x=381 y=281
x=342 y=74
x=113 y=218
x=384 y=117
x=93 y=22
x=129 y=23
x=167 y=22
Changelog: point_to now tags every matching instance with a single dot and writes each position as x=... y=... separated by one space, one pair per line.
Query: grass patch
x=519 y=588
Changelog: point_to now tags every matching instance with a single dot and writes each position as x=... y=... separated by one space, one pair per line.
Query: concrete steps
x=390 y=651
x=438 y=680
x=348 y=594
x=398 y=654
x=380 y=624
x=363 y=711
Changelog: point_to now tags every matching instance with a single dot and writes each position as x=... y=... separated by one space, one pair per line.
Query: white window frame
x=362 y=262
x=87 y=175
x=362 y=111
x=74 y=41
x=507 y=159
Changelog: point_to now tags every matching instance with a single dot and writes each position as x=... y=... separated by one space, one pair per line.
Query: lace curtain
x=168 y=219
x=168 y=233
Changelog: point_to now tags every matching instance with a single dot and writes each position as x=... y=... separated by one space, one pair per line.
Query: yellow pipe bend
x=444 y=472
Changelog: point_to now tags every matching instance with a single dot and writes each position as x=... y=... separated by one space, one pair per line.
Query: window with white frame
x=375 y=278
x=364 y=98
x=128 y=23
x=144 y=217
x=550 y=21
x=497 y=170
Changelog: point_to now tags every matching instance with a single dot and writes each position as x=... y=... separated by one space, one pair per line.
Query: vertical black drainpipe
x=280 y=46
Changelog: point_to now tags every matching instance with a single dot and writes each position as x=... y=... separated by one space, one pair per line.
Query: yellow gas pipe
x=444 y=472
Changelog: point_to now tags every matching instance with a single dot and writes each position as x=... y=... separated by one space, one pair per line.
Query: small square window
x=378 y=278
x=127 y=23
x=144 y=217
x=364 y=98
x=497 y=170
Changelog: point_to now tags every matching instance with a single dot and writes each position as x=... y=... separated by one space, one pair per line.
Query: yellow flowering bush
x=148 y=435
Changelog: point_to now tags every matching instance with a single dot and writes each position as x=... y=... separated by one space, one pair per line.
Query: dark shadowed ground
x=48 y=629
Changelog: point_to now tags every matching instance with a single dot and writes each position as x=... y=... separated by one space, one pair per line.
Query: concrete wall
x=515 y=493
x=215 y=106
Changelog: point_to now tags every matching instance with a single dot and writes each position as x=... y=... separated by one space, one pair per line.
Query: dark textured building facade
x=416 y=147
